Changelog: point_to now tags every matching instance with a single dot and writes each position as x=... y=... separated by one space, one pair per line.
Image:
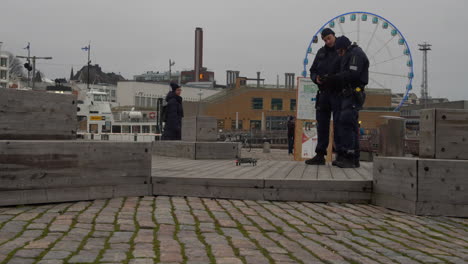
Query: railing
x=121 y=137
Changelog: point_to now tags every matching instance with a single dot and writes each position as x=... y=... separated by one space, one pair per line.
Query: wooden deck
x=269 y=180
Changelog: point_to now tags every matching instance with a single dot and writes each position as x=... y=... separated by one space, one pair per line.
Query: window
x=220 y=124
x=255 y=124
x=3 y=62
x=136 y=129
x=276 y=104
x=113 y=93
x=146 y=129
x=116 y=129
x=277 y=122
x=292 y=105
x=3 y=75
x=125 y=129
x=148 y=102
x=97 y=98
x=257 y=103
x=233 y=124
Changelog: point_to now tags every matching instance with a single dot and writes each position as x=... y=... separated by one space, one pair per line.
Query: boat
x=97 y=121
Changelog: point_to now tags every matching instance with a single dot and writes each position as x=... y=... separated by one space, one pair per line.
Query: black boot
x=357 y=164
x=338 y=158
x=346 y=162
x=317 y=160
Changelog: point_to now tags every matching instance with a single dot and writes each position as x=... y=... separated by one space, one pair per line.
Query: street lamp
x=200 y=93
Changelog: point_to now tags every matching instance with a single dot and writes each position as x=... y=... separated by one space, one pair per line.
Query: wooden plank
x=441 y=209
x=20 y=197
x=303 y=195
x=396 y=177
x=254 y=171
x=427 y=133
x=443 y=181
x=394 y=202
x=321 y=185
x=220 y=192
x=199 y=128
x=310 y=173
x=244 y=183
x=351 y=173
x=26 y=165
x=56 y=180
x=270 y=170
x=297 y=171
x=35 y=115
x=338 y=173
x=284 y=171
x=365 y=173
x=174 y=148
x=324 y=172
x=222 y=172
x=451 y=135
x=217 y=150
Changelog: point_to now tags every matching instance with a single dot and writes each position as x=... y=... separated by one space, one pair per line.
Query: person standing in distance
x=175 y=113
x=326 y=63
x=352 y=77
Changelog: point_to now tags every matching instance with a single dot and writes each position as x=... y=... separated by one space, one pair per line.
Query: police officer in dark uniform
x=326 y=63
x=352 y=78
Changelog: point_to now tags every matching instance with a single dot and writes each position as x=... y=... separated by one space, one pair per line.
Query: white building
x=152 y=76
x=4 y=70
x=140 y=94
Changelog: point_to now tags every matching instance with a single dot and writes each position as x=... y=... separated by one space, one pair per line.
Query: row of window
x=141 y=101
x=276 y=104
x=271 y=122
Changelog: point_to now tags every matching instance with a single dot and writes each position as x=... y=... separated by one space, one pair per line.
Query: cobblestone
x=195 y=230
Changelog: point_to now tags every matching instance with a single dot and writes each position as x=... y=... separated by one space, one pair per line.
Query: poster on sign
x=309 y=139
x=306 y=97
x=306 y=126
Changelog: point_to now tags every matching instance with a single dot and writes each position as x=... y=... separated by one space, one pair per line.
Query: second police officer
x=352 y=79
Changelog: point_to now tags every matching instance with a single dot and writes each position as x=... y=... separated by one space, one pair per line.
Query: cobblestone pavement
x=193 y=230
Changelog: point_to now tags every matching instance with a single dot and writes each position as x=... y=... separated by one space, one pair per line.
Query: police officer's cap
x=327 y=31
x=342 y=42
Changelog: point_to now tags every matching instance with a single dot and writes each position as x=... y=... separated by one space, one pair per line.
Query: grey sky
x=270 y=36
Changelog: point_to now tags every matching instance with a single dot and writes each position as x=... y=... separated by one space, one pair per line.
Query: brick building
x=259 y=108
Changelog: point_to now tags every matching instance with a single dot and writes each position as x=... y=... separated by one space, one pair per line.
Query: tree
x=71 y=74
x=38 y=77
x=15 y=66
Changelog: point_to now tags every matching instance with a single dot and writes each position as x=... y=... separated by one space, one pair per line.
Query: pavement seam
x=177 y=230
x=85 y=239
x=200 y=235
x=220 y=231
x=106 y=243
x=44 y=234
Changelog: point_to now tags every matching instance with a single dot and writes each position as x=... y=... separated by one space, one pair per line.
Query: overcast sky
x=270 y=36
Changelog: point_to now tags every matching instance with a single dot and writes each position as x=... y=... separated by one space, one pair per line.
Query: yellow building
x=252 y=108
x=246 y=108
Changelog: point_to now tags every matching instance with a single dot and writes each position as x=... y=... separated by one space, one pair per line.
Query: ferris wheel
x=390 y=59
